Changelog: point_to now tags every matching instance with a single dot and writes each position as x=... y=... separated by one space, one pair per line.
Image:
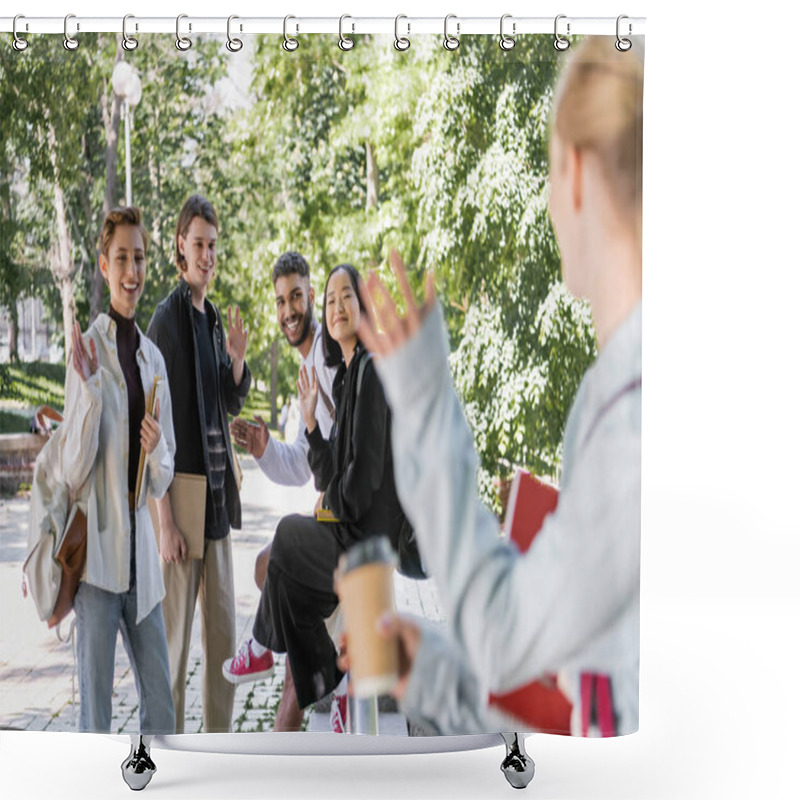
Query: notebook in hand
x=151 y=403
x=541 y=702
x=529 y=502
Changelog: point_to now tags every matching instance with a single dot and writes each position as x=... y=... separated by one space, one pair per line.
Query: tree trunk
x=372 y=178
x=13 y=331
x=155 y=181
x=111 y=121
x=62 y=266
x=68 y=315
x=273 y=388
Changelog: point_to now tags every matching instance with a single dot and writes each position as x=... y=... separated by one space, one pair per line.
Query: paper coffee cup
x=366 y=592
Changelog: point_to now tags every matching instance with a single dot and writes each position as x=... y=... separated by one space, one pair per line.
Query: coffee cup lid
x=375 y=549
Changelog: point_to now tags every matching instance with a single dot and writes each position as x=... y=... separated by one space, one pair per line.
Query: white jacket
x=96 y=436
x=571 y=603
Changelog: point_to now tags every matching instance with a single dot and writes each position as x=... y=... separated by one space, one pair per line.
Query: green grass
x=256 y=403
x=14 y=422
x=27 y=386
x=33 y=384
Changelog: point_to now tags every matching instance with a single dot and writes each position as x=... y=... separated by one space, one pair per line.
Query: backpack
x=409 y=559
x=56 y=536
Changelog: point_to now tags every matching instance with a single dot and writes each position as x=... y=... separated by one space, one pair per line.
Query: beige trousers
x=212 y=579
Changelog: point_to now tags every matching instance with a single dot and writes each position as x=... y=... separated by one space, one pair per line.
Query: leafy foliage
x=340 y=156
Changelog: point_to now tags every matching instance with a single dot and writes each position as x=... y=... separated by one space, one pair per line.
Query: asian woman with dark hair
x=354 y=469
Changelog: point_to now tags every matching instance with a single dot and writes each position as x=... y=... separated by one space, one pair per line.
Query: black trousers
x=298 y=597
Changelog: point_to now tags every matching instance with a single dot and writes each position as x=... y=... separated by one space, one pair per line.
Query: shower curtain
x=340 y=154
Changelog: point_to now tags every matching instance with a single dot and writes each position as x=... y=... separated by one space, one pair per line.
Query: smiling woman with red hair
x=106 y=428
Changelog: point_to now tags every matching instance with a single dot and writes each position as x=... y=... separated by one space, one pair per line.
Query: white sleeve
x=513 y=616
x=325 y=376
x=286 y=463
x=83 y=405
x=442 y=693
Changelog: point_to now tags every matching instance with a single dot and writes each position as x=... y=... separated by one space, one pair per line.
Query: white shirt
x=95 y=444
x=286 y=463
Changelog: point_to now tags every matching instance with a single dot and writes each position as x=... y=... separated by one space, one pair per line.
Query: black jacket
x=355 y=468
x=172 y=330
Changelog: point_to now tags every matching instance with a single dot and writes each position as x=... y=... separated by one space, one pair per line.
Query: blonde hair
x=598 y=107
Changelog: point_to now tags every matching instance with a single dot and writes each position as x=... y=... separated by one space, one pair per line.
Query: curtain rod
x=407 y=25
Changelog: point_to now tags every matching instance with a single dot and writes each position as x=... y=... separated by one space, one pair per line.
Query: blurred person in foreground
x=570 y=605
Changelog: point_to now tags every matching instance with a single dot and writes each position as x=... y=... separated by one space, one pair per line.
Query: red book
x=539 y=703
x=529 y=502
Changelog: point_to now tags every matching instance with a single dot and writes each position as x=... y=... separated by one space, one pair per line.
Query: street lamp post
x=128 y=87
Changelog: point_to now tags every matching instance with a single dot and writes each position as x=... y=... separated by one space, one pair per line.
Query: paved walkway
x=36 y=668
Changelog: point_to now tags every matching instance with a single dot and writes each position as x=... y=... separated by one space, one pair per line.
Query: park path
x=36 y=668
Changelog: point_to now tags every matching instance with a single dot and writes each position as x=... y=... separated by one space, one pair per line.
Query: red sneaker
x=246 y=666
x=339 y=713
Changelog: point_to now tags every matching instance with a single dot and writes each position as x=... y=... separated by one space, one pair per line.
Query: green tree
x=61 y=145
x=339 y=155
x=521 y=344
x=443 y=156
x=323 y=158
x=177 y=149
x=48 y=102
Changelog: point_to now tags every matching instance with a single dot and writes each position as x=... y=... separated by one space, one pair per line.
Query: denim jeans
x=100 y=614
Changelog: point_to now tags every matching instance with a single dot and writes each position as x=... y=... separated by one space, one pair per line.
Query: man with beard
x=286 y=463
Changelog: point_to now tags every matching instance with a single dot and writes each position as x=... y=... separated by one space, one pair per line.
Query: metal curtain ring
x=623 y=45
x=345 y=42
x=233 y=45
x=19 y=44
x=507 y=42
x=289 y=44
x=401 y=43
x=560 y=43
x=70 y=42
x=182 y=42
x=128 y=42
x=451 y=42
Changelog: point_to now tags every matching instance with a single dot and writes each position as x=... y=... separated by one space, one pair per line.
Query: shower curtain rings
x=623 y=45
x=451 y=42
x=70 y=42
x=128 y=42
x=233 y=45
x=182 y=42
x=507 y=42
x=401 y=43
x=345 y=42
x=560 y=43
x=289 y=44
x=19 y=44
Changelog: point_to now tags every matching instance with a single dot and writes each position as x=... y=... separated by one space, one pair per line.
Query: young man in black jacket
x=208 y=379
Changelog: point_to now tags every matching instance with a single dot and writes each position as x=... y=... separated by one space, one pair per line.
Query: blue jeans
x=100 y=615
